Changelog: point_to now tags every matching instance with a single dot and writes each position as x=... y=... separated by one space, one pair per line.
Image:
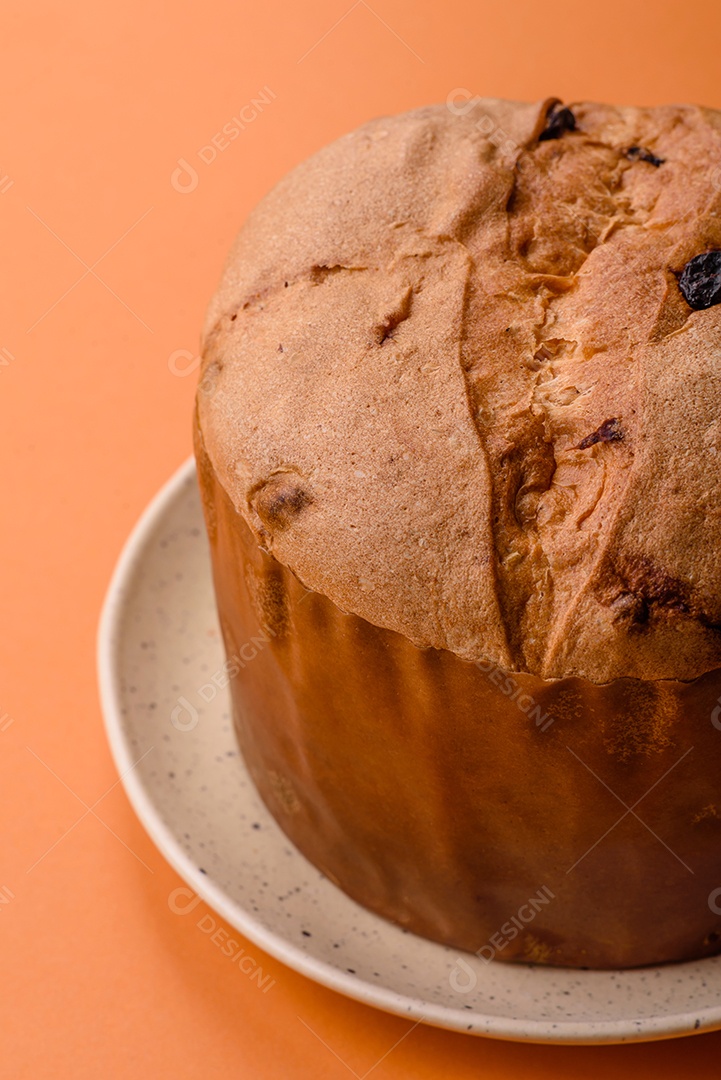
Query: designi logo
x=716 y=715
x=182 y=710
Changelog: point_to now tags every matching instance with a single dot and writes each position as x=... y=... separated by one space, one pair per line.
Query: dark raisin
x=280 y=499
x=558 y=120
x=650 y=585
x=700 y=280
x=609 y=431
x=632 y=608
x=640 y=153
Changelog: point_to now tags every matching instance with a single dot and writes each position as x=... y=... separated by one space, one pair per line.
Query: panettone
x=457 y=433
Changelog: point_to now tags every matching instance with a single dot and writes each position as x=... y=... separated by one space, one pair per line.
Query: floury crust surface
x=451 y=382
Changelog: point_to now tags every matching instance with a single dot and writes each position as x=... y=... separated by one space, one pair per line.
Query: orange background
x=107 y=271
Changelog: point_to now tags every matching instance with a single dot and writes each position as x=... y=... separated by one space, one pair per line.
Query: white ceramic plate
x=170 y=730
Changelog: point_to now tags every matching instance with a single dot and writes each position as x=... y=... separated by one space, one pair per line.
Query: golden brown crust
x=450 y=381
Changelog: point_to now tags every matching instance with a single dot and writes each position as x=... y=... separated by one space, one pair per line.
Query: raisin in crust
x=451 y=382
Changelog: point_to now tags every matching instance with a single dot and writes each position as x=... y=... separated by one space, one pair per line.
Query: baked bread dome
x=457 y=433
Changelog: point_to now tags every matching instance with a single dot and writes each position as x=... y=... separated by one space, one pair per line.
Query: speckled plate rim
x=632 y=1029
